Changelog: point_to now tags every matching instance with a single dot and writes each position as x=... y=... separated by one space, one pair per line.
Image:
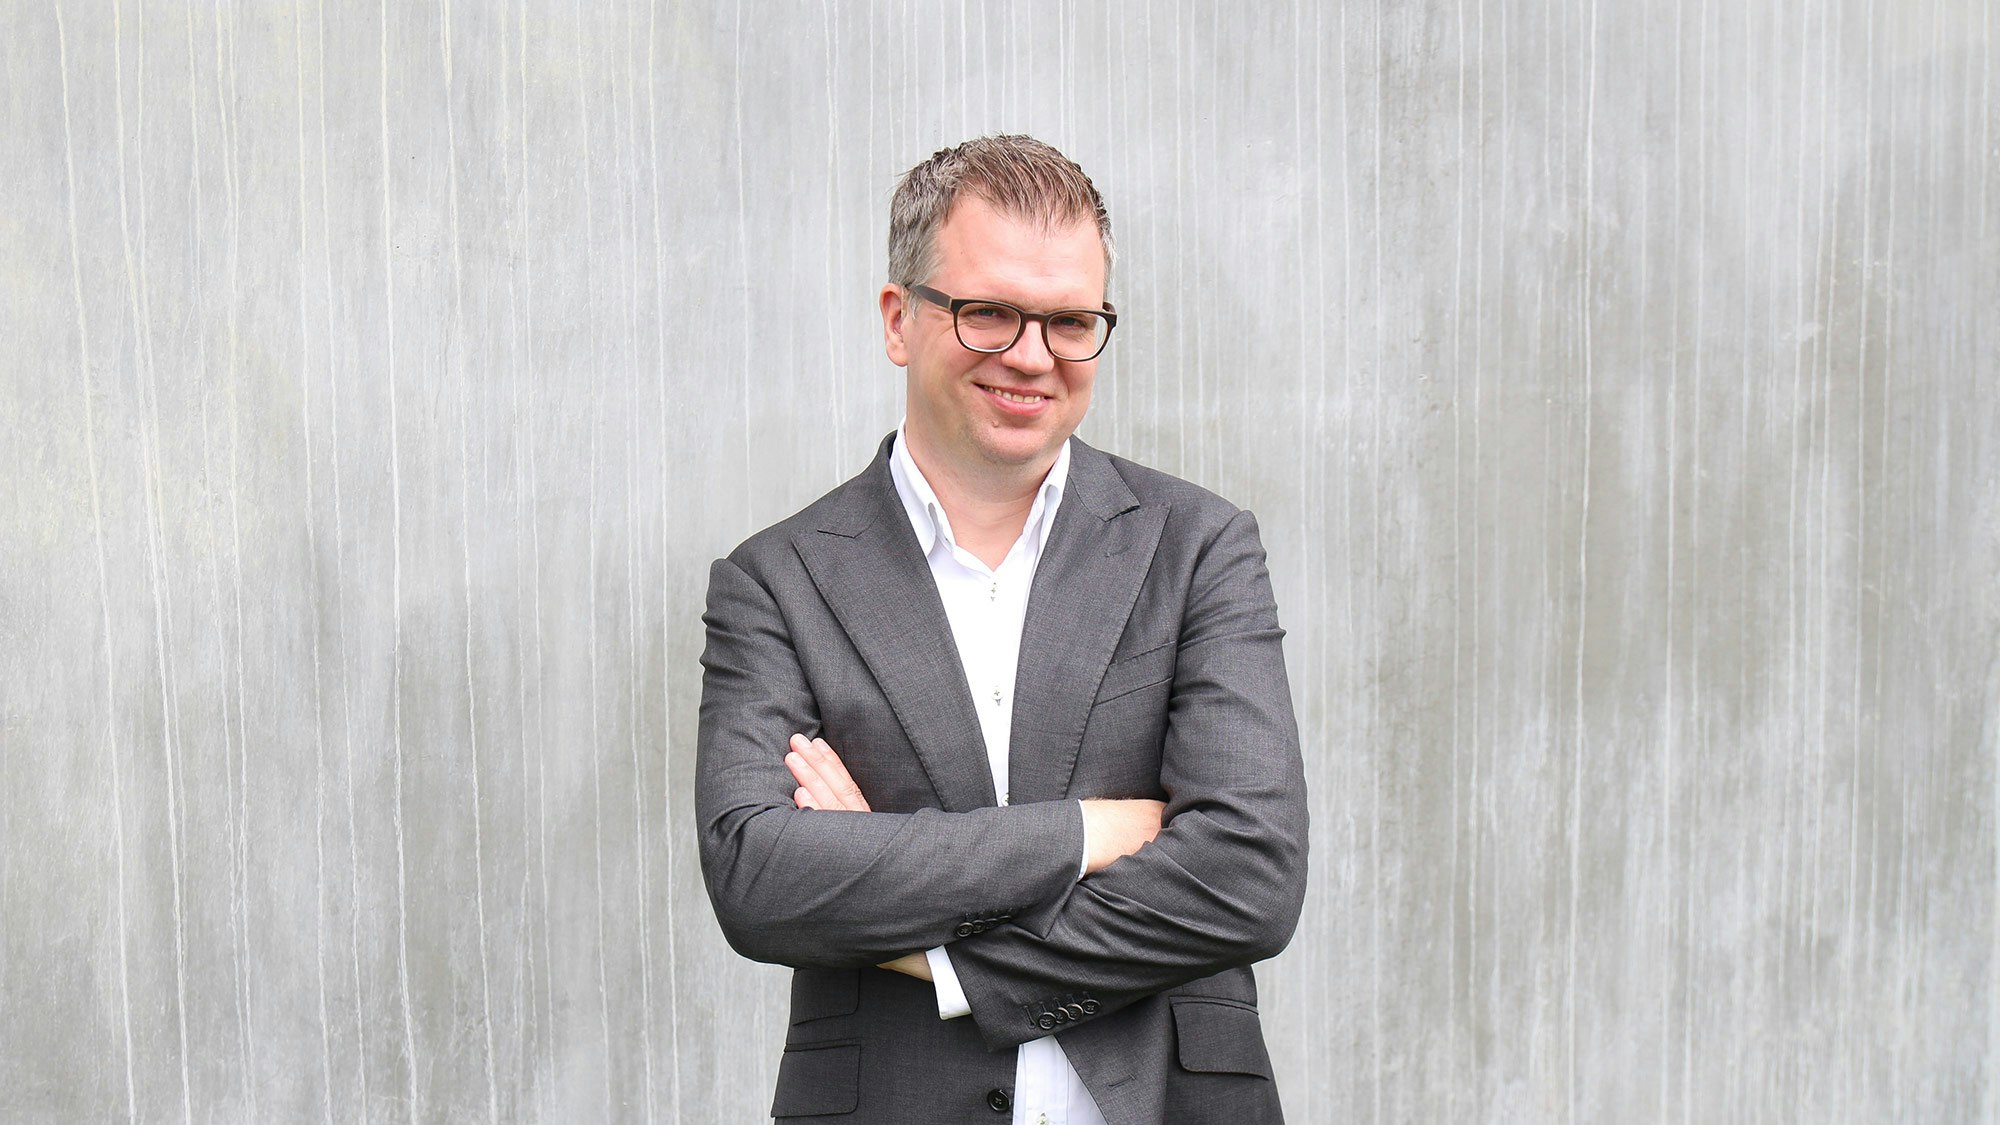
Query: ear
x=895 y=316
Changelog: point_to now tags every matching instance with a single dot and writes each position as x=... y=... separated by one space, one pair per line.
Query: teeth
x=1010 y=396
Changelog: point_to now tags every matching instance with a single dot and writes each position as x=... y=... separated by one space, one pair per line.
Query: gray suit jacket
x=1150 y=667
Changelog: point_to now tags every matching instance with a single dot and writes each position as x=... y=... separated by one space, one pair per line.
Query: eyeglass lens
x=1076 y=334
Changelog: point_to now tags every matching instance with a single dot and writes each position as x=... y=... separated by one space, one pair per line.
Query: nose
x=1030 y=353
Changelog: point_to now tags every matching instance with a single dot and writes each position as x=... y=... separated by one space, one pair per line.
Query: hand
x=916 y=965
x=824 y=782
x=1113 y=829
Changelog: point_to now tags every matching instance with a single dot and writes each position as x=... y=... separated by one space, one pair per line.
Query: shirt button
x=996 y=697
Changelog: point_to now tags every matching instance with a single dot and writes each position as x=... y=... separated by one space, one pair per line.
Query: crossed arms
x=1112 y=828
x=1220 y=886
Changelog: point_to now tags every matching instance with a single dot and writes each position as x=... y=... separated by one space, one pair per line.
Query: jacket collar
x=864 y=557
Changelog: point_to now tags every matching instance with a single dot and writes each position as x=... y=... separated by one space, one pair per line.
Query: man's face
x=973 y=413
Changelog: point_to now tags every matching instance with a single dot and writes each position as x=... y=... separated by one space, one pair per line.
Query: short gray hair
x=1017 y=174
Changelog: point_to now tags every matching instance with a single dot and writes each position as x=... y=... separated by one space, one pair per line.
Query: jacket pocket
x=817 y=1079
x=1123 y=677
x=820 y=993
x=1219 y=1037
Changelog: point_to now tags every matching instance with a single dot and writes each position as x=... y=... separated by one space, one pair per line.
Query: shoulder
x=1209 y=552
x=849 y=509
x=1152 y=486
x=1191 y=510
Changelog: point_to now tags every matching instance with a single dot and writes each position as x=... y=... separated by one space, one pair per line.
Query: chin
x=1017 y=454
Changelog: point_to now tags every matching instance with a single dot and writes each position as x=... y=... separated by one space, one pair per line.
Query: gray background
x=1615 y=384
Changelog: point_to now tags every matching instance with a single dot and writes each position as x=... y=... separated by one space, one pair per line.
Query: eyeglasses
x=1072 y=335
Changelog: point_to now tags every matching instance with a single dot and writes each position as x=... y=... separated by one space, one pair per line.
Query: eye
x=1075 y=324
x=986 y=314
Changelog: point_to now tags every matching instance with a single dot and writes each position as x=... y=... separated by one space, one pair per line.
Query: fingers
x=910 y=964
x=824 y=782
x=814 y=792
x=845 y=789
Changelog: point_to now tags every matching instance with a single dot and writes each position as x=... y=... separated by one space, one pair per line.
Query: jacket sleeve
x=833 y=889
x=1223 y=884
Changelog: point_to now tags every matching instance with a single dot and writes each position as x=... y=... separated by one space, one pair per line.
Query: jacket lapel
x=865 y=560
x=1088 y=580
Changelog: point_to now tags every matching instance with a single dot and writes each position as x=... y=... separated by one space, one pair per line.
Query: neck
x=987 y=509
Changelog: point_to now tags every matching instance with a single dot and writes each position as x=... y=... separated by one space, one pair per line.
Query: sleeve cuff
x=1083 y=861
x=950 y=997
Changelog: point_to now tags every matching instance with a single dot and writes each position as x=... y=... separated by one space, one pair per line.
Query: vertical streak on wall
x=322 y=923
x=411 y=1077
x=112 y=753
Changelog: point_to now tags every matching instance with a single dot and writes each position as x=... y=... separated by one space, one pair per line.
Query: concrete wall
x=1615 y=384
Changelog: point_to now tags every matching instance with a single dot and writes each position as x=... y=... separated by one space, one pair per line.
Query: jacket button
x=999 y=1101
x=1075 y=1011
x=964 y=929
x=1090 y=1007
x=1045 y=1021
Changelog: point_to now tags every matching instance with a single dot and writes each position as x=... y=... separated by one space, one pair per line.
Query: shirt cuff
x=950 y=997
x=1083 y=861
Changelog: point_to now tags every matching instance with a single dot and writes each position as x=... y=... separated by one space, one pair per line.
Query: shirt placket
x=999 y=689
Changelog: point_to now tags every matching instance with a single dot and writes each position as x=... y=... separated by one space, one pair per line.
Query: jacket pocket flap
x=819 y=993
x=818 y=1079
x=1220 y=1036
x=1154 y=666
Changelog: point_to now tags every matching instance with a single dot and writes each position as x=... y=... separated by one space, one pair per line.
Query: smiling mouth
x=1012 y=396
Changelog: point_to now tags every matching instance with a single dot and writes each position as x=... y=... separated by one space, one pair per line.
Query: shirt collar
x=927 y=514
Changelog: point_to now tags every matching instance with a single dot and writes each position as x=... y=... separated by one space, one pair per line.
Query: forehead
x=986 y=252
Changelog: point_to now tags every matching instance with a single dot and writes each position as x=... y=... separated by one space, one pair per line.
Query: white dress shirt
x=986 y=607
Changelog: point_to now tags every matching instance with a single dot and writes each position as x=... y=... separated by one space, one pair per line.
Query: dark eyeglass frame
x=952 y=304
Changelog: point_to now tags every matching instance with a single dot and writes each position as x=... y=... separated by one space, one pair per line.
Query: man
x=996 y=747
